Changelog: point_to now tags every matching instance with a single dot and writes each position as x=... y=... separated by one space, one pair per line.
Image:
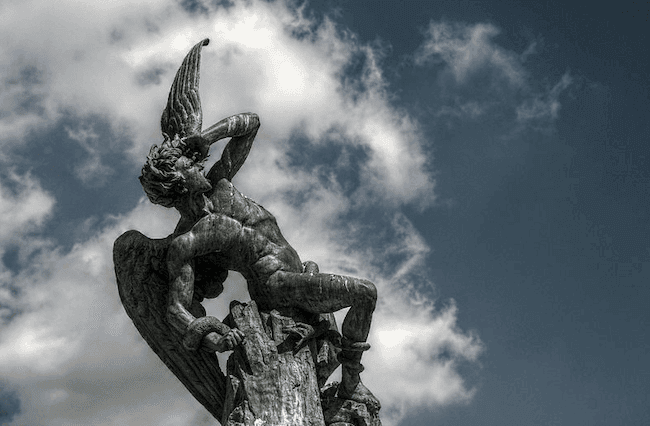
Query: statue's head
x=161 y=181
x=173 y=169
x=164 y=178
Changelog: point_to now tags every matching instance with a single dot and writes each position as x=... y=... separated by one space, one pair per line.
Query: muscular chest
x=227 y=200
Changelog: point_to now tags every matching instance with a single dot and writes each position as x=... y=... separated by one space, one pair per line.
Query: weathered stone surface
x=143 y=285
x=284 y=352
x=344 y=412
x=276 y=388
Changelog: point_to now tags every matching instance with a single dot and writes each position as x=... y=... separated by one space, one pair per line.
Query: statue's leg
x=320 y=293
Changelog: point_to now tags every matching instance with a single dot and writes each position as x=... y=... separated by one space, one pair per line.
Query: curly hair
x=162 y=183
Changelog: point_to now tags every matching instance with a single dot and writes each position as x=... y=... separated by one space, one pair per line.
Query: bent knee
x=369 y=291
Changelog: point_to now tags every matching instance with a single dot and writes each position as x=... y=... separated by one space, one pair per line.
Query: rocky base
x=274 y=377
x=344 y=412
x=269 y=380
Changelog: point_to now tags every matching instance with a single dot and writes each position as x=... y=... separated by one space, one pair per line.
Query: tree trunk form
x=273 y=382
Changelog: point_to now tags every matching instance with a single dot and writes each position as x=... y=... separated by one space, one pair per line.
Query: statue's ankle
x=354 y=346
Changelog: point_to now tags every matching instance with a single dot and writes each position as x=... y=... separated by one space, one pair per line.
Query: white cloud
x=488 y=77
x=91 y=172
x=418 y=349
x=530 y=50
x=255 y=64
x=74 y=353
x=544 y=107
x=471 y=109
x=77 y=358
x=467 y=49
x=72 y=350
x=24 y=206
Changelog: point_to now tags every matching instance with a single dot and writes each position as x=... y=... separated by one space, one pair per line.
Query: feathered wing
x=143 y=284
x=182 y=115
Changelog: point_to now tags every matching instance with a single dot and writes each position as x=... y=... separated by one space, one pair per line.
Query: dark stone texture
x=344 y=412
x=143 y=284
x=286 y=343
x=279 y=388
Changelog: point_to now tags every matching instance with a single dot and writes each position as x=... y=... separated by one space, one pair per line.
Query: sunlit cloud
x=544 y=107
x=487 y=77
x=91 y=172
x=25 y=206
x=468 y=49
x=469 y=109
x=530 y=50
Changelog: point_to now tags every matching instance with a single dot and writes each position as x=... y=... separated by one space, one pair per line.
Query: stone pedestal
x=274 y=379
x=343 y=412
x=269 y=381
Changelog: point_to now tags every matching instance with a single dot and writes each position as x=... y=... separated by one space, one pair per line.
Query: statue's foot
x=359 y=393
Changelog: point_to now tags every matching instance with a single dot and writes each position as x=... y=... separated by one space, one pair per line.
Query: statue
x=162 y=282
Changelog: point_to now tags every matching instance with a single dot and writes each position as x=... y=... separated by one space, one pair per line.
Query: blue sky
x=484 y=163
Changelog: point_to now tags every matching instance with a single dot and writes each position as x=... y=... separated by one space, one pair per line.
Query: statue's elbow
x=254 y=120
x=175 y=316
x=172 y=313
x=178 y=253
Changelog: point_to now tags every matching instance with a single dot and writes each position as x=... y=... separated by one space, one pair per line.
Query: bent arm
x=181 y=291
x=181 y=287
x=210 y=234
x=234 y=126
x=242 y=128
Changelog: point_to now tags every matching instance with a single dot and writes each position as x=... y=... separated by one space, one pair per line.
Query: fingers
x=232 y=339
x=237 y=335
x=217 y=343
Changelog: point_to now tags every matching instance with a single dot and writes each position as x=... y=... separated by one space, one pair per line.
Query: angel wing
x=182 y=115
x=143 y=284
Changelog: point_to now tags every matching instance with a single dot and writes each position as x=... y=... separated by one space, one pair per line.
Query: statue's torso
x=261 y=249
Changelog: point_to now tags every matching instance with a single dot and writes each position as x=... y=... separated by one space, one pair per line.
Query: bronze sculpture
x=162 y=282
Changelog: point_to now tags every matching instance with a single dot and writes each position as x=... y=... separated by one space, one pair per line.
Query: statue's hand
x=214 y=342
x=197 y=148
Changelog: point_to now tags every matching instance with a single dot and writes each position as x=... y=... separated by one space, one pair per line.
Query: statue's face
x=195 y=181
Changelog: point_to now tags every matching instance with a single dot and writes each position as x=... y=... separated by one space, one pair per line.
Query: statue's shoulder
x=222 y=184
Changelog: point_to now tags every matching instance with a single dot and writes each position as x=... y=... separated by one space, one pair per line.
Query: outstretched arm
x=242 y=128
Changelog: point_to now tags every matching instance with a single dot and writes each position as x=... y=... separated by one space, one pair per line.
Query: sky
x=483 y=163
